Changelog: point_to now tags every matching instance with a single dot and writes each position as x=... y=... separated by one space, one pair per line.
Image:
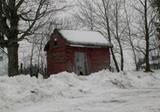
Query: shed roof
x=85 y=38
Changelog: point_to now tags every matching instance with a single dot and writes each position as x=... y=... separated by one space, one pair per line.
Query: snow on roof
x=84 y=37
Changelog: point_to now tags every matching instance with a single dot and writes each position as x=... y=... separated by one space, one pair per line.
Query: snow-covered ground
x=66 y=92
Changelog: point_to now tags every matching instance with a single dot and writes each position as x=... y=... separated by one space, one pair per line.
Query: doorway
x=81 y=63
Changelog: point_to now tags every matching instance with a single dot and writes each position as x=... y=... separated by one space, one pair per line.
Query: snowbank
x=26 y=89
x=126 y=79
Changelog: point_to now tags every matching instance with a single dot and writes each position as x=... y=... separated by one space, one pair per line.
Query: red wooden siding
x=56 y=56
x=97 y=58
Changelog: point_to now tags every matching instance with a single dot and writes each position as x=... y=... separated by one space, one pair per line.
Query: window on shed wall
x=55 y=42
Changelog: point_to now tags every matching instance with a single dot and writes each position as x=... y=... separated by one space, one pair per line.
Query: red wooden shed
x=82 y=52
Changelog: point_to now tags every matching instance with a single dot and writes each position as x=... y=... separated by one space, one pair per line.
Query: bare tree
x=106 y=19
x=130 y=36
x=31 y=58
x=13 y=13
x=118 y=29
x=85 y=14
x=147 y=29
x=145 y=4
x=96 y=16
x=156 y=6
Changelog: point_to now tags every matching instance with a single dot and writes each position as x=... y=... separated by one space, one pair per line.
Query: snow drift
x=23 y=89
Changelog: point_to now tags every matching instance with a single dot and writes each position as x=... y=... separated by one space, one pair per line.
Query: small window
x=55 y=42
x=1 y=58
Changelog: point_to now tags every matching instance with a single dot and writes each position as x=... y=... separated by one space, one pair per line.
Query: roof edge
x=110 y=45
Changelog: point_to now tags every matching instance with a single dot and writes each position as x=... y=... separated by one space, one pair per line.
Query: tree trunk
x=115 y=61
x=109 y=35
x=122 y=57
x=130 y=37
x=147 y=68
x=31 y=59
x=118 y=37
x=13 y=59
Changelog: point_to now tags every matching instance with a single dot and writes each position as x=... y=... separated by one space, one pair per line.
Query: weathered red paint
x=62 y=56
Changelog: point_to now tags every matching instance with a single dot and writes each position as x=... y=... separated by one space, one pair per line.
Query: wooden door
x=80 y=63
